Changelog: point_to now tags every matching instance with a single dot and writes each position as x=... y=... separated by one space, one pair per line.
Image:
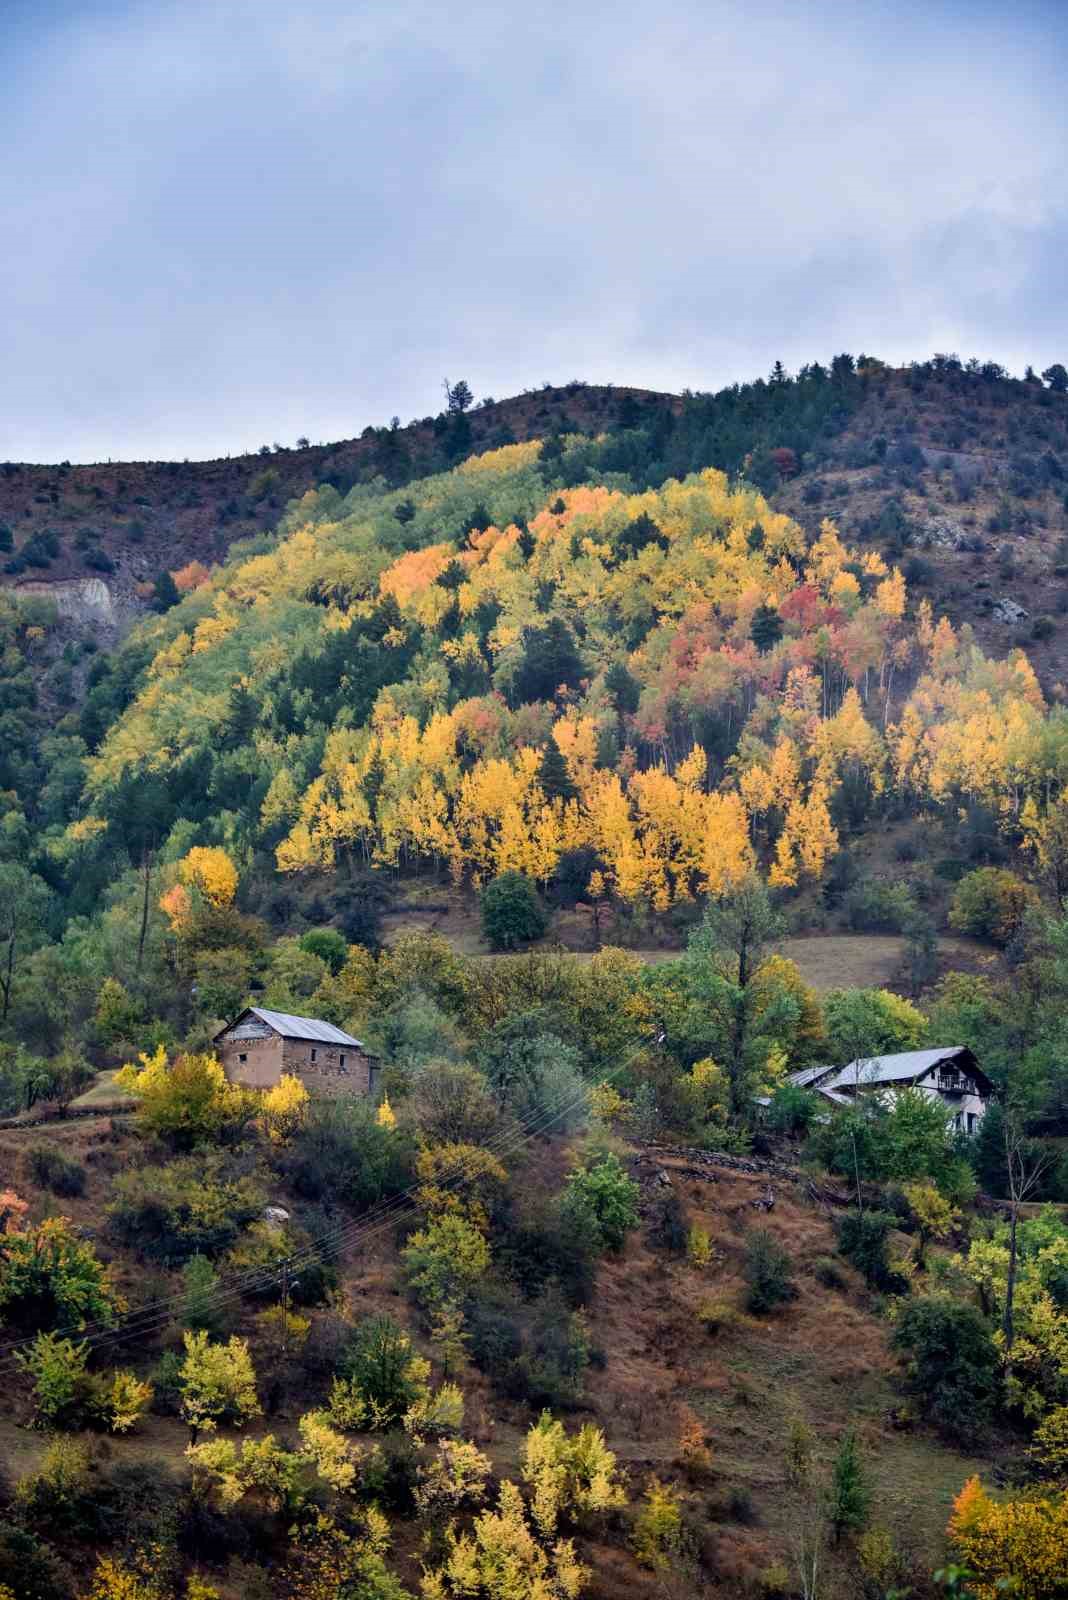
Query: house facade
x=260 y=1045
x=947 y=1073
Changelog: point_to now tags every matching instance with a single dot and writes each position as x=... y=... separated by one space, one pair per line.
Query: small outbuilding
x=260 y=1045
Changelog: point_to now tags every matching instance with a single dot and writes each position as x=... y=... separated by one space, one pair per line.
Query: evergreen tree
x=165 y=592
x=556 y=781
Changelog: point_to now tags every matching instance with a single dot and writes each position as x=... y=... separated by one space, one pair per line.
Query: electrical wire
x=342 y=1240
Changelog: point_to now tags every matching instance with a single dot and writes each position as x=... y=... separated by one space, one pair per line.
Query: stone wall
x=329 y=1069
x=257 y=1063
x=326 y=1069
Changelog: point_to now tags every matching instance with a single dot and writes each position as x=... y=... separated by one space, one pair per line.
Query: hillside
x=598 y=773
x=123 y=522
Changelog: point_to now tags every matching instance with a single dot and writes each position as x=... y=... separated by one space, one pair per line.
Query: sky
x=225 y=223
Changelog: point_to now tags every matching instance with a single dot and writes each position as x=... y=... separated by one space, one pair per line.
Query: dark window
x=313 y=1053
x=242 y=1058
x=342 y=1063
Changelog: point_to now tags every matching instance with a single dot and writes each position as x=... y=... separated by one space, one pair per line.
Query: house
x=260 y=1045
x=949 y=1073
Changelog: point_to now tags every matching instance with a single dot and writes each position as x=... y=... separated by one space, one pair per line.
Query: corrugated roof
x=807 y=1077
x=291 y=1027
x=892 y=1069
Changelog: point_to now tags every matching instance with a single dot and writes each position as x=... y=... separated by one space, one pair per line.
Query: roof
x=808 y=1077
x=906 y=1067
x=291 y=1027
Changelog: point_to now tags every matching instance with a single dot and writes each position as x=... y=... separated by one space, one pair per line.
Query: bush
x=343 y=1154
x=379 y=1365
x=862 y=1239
x=512 y=913
x=954 y=1363
x=183 y=1209
x=878 y=907
x=991 y=902
x=768 y=1272
x=50 y=1168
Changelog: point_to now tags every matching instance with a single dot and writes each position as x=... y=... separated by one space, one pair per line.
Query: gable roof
x=907 y=1067
x=291 y=1027
x=809 y=1077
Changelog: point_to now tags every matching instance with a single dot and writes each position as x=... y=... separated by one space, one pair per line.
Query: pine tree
x=553 y=775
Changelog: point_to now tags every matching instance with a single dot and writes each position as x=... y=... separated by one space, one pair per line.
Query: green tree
x=768 y=1272
x=201 y=1310
x=1057 y=378
x=25 y=905
x=553 y=775
x=954 y=1366
x=602 y=1202
x=329 y=945
x=766 y=628
x=512 y=913
x=165 y=592
x=550 y=662
x=57 y=1368
x=862 y=1023
x=722 y=961
x=851 y=1495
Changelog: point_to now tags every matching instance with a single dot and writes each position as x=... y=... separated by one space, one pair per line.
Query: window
x=242 y=1058
x=313 y=1053
x=342 y=1063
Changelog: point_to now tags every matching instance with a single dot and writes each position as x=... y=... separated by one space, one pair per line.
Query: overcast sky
x=225 y=222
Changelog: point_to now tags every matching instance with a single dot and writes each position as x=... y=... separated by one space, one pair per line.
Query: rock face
x=82 y=600
x=1006 y=610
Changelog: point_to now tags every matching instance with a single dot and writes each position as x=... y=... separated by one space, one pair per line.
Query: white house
x=949 y=1073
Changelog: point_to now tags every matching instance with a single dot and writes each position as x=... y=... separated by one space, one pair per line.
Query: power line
x=346 y=1237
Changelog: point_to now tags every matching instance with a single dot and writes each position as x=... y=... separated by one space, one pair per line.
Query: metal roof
x=291 y=1027
x=904 y=1068
x=808 y=1077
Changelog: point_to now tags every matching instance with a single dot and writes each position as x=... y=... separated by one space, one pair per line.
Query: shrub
x=379 y=1367
x=874 y=906
x=512 y=913
x=50 y=1168
x=183 y=1209
x=768 y=1272
x=862 y=1239
x=342 y=1153
x=991 y=902
x=658 y=1527
x=50 y=1278
x=953 y=1361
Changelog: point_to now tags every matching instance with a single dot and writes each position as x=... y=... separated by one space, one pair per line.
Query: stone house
x=259 y=1046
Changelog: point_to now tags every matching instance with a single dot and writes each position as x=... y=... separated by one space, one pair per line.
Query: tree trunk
x=1010 y=1280
x=8 y=976
x=146 y=871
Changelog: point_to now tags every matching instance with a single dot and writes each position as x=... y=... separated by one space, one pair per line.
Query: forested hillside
x=630 y=704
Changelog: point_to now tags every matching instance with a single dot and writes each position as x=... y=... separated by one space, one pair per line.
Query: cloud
x=234 y=222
